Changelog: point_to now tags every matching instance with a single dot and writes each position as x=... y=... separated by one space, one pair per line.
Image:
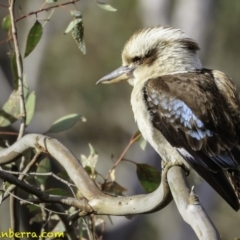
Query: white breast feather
x=149 y=133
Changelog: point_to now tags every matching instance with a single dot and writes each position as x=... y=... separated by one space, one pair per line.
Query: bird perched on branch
x=176 y=101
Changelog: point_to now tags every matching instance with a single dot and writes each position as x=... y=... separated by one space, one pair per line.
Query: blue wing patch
x=180 y=115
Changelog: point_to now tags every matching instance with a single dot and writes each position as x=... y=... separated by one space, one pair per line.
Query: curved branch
x=99 y=202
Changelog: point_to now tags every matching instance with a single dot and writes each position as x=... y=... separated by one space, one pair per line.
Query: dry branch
x=102 y=204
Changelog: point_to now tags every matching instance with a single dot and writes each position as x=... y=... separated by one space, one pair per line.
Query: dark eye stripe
x=136 y=59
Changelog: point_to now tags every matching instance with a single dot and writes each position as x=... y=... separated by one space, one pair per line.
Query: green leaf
x=57 y=191
x=51 y=1
x=77 y=29
x=71 y=25
x=63 y=175
x=6 y=23
x=76 y=14
x=65 y=123
x=77 y=34
x=20 y=9
x=33 y=208
x=148 y=176
x=88 y=170
x=143 y=144
x=43 y=167
x=33 y=38
x=25 y=88
x=106 y=6
x=114 y=188
x=14 y=70
x=30 y=107
x=15 y=75
x=10 y=112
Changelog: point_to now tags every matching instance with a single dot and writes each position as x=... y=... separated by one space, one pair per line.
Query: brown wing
x=194 y=114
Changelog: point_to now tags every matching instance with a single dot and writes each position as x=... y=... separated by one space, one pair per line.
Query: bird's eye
x=136 y=59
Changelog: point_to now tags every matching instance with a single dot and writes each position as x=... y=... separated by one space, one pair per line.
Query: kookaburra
x=175 y=99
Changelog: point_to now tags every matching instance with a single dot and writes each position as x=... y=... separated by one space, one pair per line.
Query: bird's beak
x=120 y=74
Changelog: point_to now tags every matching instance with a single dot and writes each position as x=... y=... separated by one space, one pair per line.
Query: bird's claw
x=167 y=165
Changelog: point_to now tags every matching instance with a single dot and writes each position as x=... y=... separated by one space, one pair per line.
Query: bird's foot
x=167 y=165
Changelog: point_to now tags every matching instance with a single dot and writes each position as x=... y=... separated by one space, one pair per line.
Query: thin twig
x=13 y=203
x=2 y=5
x=45 y=219
x=133 y=139
x=24 y=201
x=14 y=212
x=44 y=197
x=70 y=230
x=22 y=163
x=44 y=4
x=70 y=185
x=19 y=70
x=56 y=177
x=88 y=229
x=46 y=9
x=48 y=18
x=5 y=41
x=9 y=133
x=102 y=229
x=22 y=175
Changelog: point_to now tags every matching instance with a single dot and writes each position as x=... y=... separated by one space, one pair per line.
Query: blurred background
x=64 y=81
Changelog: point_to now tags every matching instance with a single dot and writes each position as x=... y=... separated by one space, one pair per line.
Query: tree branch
x=192 y=212
x=19 y=70
x=101 y=203
x=46 y=9
x=44 y=197
x=21 y=177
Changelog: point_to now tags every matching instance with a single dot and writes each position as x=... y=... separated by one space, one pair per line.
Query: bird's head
x=153 y=52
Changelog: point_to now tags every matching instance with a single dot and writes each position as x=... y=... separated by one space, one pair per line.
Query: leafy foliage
x=6 y=23
x=30 y=107
x=43 y=167
x=90 y=162
x=65 y=123
x=148 y=176
x=14 y=70
x=106 y=7
x=33 y=38
x=10 y=111
x=77 y=29
x=113 y=188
